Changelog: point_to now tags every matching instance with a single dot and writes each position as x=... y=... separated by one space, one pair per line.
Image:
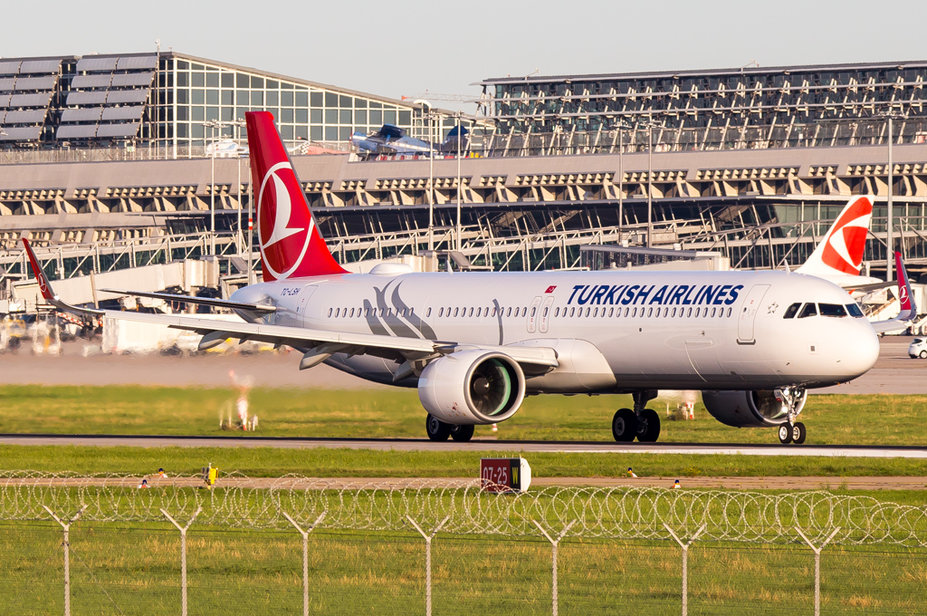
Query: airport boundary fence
x=655 y=549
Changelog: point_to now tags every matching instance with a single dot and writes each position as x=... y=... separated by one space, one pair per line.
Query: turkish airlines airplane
x=475 y=344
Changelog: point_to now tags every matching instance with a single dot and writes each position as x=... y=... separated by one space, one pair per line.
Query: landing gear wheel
x=437 y=430
x=798 y=433
x=462 y=434
x=648 y=426
x=785 y=433
x=624 y=425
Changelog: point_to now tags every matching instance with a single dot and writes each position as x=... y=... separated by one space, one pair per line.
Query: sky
x=440 y=50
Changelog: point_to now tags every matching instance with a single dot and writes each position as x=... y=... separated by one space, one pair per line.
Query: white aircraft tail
x=841 y=250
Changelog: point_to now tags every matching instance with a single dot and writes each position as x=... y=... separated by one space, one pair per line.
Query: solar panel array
x=107 y=97
x=54 y=99
x=26 y=91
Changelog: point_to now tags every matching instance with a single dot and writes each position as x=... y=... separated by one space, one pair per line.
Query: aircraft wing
x=317 y=345
x=206 y=301
x=905 y=297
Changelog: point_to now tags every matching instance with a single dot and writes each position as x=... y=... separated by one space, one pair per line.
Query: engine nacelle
x=742 y=409
x=472 y=387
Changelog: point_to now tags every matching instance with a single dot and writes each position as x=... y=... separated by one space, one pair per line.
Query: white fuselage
x=612 y=330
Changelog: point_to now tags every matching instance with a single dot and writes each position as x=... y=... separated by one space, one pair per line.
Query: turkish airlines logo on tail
x=843 y=249
x=284 y=238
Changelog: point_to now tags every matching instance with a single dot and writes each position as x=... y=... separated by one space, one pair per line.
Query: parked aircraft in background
x=475 y=344
x=839 y=256
x=392 y=140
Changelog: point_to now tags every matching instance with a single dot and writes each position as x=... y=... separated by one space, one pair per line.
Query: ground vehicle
x=918 y=348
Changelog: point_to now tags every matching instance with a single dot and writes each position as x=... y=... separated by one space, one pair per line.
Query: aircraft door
x=544 y=326
x=533 y=315
x=302 y=302
x=748 y=312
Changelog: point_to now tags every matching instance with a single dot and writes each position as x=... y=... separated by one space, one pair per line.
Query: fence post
x=817 y=566
x=183 y=556
x=305 y=534
x=428 y=539
x=685 y=564
x=555 y=601
x=67 y=554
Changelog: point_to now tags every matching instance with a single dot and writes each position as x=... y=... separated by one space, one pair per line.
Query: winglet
x=45 y=286
x=41 y=278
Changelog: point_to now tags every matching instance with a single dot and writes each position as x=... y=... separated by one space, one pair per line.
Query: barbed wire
x=238 y=501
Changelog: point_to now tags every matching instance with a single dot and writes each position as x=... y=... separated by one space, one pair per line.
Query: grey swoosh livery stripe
x=414 y=320
x=392 y=321
x=495 y=303
x=372 y=321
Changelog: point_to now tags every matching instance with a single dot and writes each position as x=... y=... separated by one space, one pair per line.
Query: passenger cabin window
x=832 y=310
x=808 y=310
x=791 y=311
x=854 y=310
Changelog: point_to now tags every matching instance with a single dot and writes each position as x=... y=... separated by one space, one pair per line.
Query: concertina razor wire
x=623 y=513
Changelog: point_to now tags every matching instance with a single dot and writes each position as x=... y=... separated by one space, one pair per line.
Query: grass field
x=124 y=568
x=271 y=462
x=133 y=569
x=163 y=410
x=831 y=419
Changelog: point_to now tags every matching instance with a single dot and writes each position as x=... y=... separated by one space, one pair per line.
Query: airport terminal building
x=753 y=163
x=166 y=101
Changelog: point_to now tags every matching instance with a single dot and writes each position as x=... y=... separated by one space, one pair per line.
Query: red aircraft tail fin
x=290 y=242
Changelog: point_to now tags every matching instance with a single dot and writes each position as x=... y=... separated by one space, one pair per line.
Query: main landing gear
x=439 y=431
x=642 y=422
x=792 y=431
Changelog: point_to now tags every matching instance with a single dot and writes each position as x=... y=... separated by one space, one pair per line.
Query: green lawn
x=831 y=419
x=272 y=462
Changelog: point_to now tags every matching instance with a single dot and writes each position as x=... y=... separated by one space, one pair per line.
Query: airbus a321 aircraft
x=474 y=344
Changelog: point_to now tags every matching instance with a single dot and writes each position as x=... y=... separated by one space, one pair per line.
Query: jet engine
x=742 y=409
x=472 y=387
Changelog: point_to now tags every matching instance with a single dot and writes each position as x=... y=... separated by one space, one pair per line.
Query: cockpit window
x=832 y=310
x=854 y=310
x=791 y=311
x=808 y=310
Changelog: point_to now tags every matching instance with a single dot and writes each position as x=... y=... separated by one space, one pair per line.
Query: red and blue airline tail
x=291 y=245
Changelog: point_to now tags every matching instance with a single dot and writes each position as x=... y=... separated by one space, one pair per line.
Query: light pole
x=891 y=114
x=459 y=242
x=649 y=179
x=213 y=125
x=620 y=125
x=431 y=173
x=238 y=124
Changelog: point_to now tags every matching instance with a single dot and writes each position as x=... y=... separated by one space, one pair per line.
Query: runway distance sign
x=501 y=475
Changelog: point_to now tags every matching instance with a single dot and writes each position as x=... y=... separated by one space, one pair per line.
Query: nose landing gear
x=792 y=431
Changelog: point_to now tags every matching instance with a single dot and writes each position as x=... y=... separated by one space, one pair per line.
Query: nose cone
x=861 y=349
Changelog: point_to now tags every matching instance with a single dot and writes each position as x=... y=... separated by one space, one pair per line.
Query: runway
x=487 y=445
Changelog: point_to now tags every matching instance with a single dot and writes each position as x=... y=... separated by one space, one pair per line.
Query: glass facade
x=193 y=92
x=164 y=101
